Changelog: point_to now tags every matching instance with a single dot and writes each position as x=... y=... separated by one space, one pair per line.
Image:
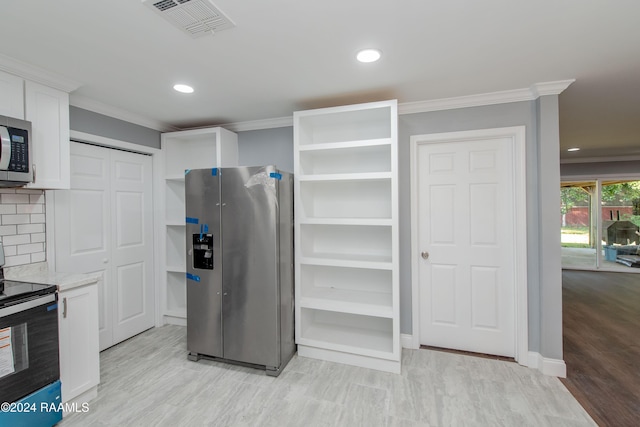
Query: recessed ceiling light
x=183 y=88
x=368 y=55
x=573 y=149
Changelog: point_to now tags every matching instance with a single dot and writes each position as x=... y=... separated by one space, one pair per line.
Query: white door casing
x=104 y=226
x=469 y=222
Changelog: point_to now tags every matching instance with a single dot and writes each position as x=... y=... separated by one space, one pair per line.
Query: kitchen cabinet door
x=48 y=111
x=78 y=331
x=11 y=96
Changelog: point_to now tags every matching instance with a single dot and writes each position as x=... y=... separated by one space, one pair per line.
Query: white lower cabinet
x=78 y=336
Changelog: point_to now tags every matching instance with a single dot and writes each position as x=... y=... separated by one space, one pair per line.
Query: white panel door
x=132 y=247
x=466 y=212
x=103 y=225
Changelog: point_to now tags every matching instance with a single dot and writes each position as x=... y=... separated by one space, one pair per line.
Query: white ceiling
x=288 y=55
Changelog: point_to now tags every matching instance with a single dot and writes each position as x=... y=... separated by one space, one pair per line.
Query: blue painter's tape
x=187 y=171
x=275 y=175
x=52 y=307
x=205 y=228
x=192 y=220
x=193 y=277
x=214 y=172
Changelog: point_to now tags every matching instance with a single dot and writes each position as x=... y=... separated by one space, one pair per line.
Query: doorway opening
x=601 y=225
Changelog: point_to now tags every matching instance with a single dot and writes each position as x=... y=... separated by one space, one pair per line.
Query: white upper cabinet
x=11 y=96
x=48 y=111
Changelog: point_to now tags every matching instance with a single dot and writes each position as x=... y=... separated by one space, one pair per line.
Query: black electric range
x=13 y=292
x=29 y=318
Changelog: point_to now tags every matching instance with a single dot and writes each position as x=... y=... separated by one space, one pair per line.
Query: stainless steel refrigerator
x=239 y=226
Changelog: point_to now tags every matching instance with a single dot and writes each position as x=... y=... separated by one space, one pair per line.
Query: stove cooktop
x=13 y=292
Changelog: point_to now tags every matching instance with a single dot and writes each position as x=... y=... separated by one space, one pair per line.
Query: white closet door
x=132 y=244
x=103 y=225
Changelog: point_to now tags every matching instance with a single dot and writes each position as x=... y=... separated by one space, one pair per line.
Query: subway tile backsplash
x=22 y=222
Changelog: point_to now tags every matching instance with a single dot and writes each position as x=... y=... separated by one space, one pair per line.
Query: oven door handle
x=13 y=309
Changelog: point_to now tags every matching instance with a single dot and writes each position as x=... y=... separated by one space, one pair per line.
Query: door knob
x=424 y=255
x=105 y=260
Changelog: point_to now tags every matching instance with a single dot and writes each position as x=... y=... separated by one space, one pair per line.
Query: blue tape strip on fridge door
x=186 y=171
x=275 y=175
x=204 y=228
x=193 y=277
x=214 y=172
x=190 y=220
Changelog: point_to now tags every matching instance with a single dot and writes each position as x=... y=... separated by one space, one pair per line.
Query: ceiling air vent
x=195 y=17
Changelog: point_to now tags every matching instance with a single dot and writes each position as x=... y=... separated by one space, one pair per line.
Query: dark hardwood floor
x=601 y=320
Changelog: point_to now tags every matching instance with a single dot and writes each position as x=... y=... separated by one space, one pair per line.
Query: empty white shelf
x=347 y=177
x=331 y=260
x=356 y=334
x=343 y=145
x=346 y=221
x=348 y=301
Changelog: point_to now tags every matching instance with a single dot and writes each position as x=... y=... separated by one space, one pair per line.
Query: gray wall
x=549 y=254
x=267 y=147
x=98 y=124
x=543 y=241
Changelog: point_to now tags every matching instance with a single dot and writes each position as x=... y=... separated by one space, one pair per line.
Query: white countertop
x=39 y=273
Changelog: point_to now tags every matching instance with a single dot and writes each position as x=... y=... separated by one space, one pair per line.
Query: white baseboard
x=174 y=320
x=392 y=366
x=552 y=367
x=80 y=403
x=407 y=341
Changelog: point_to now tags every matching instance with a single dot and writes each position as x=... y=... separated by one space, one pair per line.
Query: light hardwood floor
x=148 y=381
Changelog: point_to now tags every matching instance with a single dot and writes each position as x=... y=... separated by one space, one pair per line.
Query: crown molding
x=117 y=113
x=516 y=95
x=550 y=88
x=278 y=122
x=502 y=97
x=37 y=74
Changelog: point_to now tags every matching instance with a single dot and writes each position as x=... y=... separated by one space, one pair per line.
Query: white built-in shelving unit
x=346 y=234
x=190 y=149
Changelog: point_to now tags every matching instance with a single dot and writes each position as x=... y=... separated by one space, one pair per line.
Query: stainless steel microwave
x=15 y=152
